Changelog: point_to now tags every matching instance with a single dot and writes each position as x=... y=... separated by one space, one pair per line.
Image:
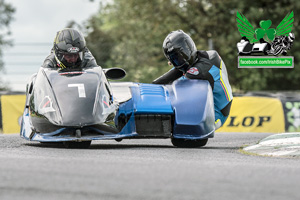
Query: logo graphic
x=73 y=49
x=46 y=105
x=271 y=41
x=265 y=41
x=193 y=71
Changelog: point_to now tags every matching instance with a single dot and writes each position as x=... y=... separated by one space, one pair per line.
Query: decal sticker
x=81 y=90
x=193 y=71
x=71 y=73
x=73 y=50
x=105 y=102
x=46 y=105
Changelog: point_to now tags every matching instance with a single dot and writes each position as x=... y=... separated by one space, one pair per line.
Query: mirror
x=114 y=73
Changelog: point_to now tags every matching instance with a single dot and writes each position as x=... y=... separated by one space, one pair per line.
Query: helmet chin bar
x=71 y=65
x=63 y=63
x=60 y=64
x=183 y=67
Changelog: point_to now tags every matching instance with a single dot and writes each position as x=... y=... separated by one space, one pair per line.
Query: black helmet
x=180 y=49
x=69 y=46
x=291 y=37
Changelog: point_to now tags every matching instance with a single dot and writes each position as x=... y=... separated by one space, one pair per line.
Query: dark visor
x=176 y=58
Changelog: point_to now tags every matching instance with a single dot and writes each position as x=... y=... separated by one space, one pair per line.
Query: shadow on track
x=221 y=148
x=60 y=145
x=99 y=146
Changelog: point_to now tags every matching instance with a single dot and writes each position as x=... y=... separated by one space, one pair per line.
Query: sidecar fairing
x=182 y=110
x=246 y=48
x=79 y=106
x=69 y=106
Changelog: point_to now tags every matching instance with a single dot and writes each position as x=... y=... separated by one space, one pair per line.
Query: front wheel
x=183 y=143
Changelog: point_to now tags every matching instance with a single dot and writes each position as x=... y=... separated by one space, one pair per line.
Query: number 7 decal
x=81 y=90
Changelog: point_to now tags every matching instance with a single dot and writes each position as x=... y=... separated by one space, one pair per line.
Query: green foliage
x=6 y=12
x=130 y=33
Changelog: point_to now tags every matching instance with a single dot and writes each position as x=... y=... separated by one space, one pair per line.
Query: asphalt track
x=146 y=169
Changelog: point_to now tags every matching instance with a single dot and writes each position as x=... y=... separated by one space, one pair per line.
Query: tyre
x=78 y=145
x=265 y=51
x=183 y=143
x=278 y=50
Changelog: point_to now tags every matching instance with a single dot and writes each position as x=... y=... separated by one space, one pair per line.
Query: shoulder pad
x=214 y=57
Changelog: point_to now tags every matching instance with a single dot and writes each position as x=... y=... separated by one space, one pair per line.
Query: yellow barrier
x=255 y=114
x=12 y=107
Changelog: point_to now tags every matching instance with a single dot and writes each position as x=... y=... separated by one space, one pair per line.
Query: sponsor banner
x=292 y=115
x=255 y=114
x=12 y=107
x=265 y=62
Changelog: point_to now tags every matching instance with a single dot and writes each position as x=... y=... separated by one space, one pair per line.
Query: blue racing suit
x=208 y=66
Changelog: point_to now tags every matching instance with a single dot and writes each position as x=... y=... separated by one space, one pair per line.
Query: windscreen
x=73 y=98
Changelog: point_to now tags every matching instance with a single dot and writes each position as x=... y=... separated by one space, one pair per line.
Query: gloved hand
x=218 y=124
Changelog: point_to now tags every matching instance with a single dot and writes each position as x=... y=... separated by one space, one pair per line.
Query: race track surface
x=145 y=169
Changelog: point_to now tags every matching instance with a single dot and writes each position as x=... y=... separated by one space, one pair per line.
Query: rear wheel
x=78 y=145
x=183 y=143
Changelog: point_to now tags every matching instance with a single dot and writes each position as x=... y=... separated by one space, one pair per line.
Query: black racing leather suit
x=208 y=66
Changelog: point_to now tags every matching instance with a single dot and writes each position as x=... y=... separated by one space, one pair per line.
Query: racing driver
x=69 y=51
x=190 y=63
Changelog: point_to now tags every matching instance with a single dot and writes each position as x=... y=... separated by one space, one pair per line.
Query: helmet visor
x=66 y=59
x=176 y=58
x=72 y=57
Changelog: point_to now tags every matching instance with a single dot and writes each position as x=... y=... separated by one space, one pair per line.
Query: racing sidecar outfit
x=208 y=66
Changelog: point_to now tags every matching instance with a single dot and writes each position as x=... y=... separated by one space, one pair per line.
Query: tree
x=6 y=12
x=136 y=29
